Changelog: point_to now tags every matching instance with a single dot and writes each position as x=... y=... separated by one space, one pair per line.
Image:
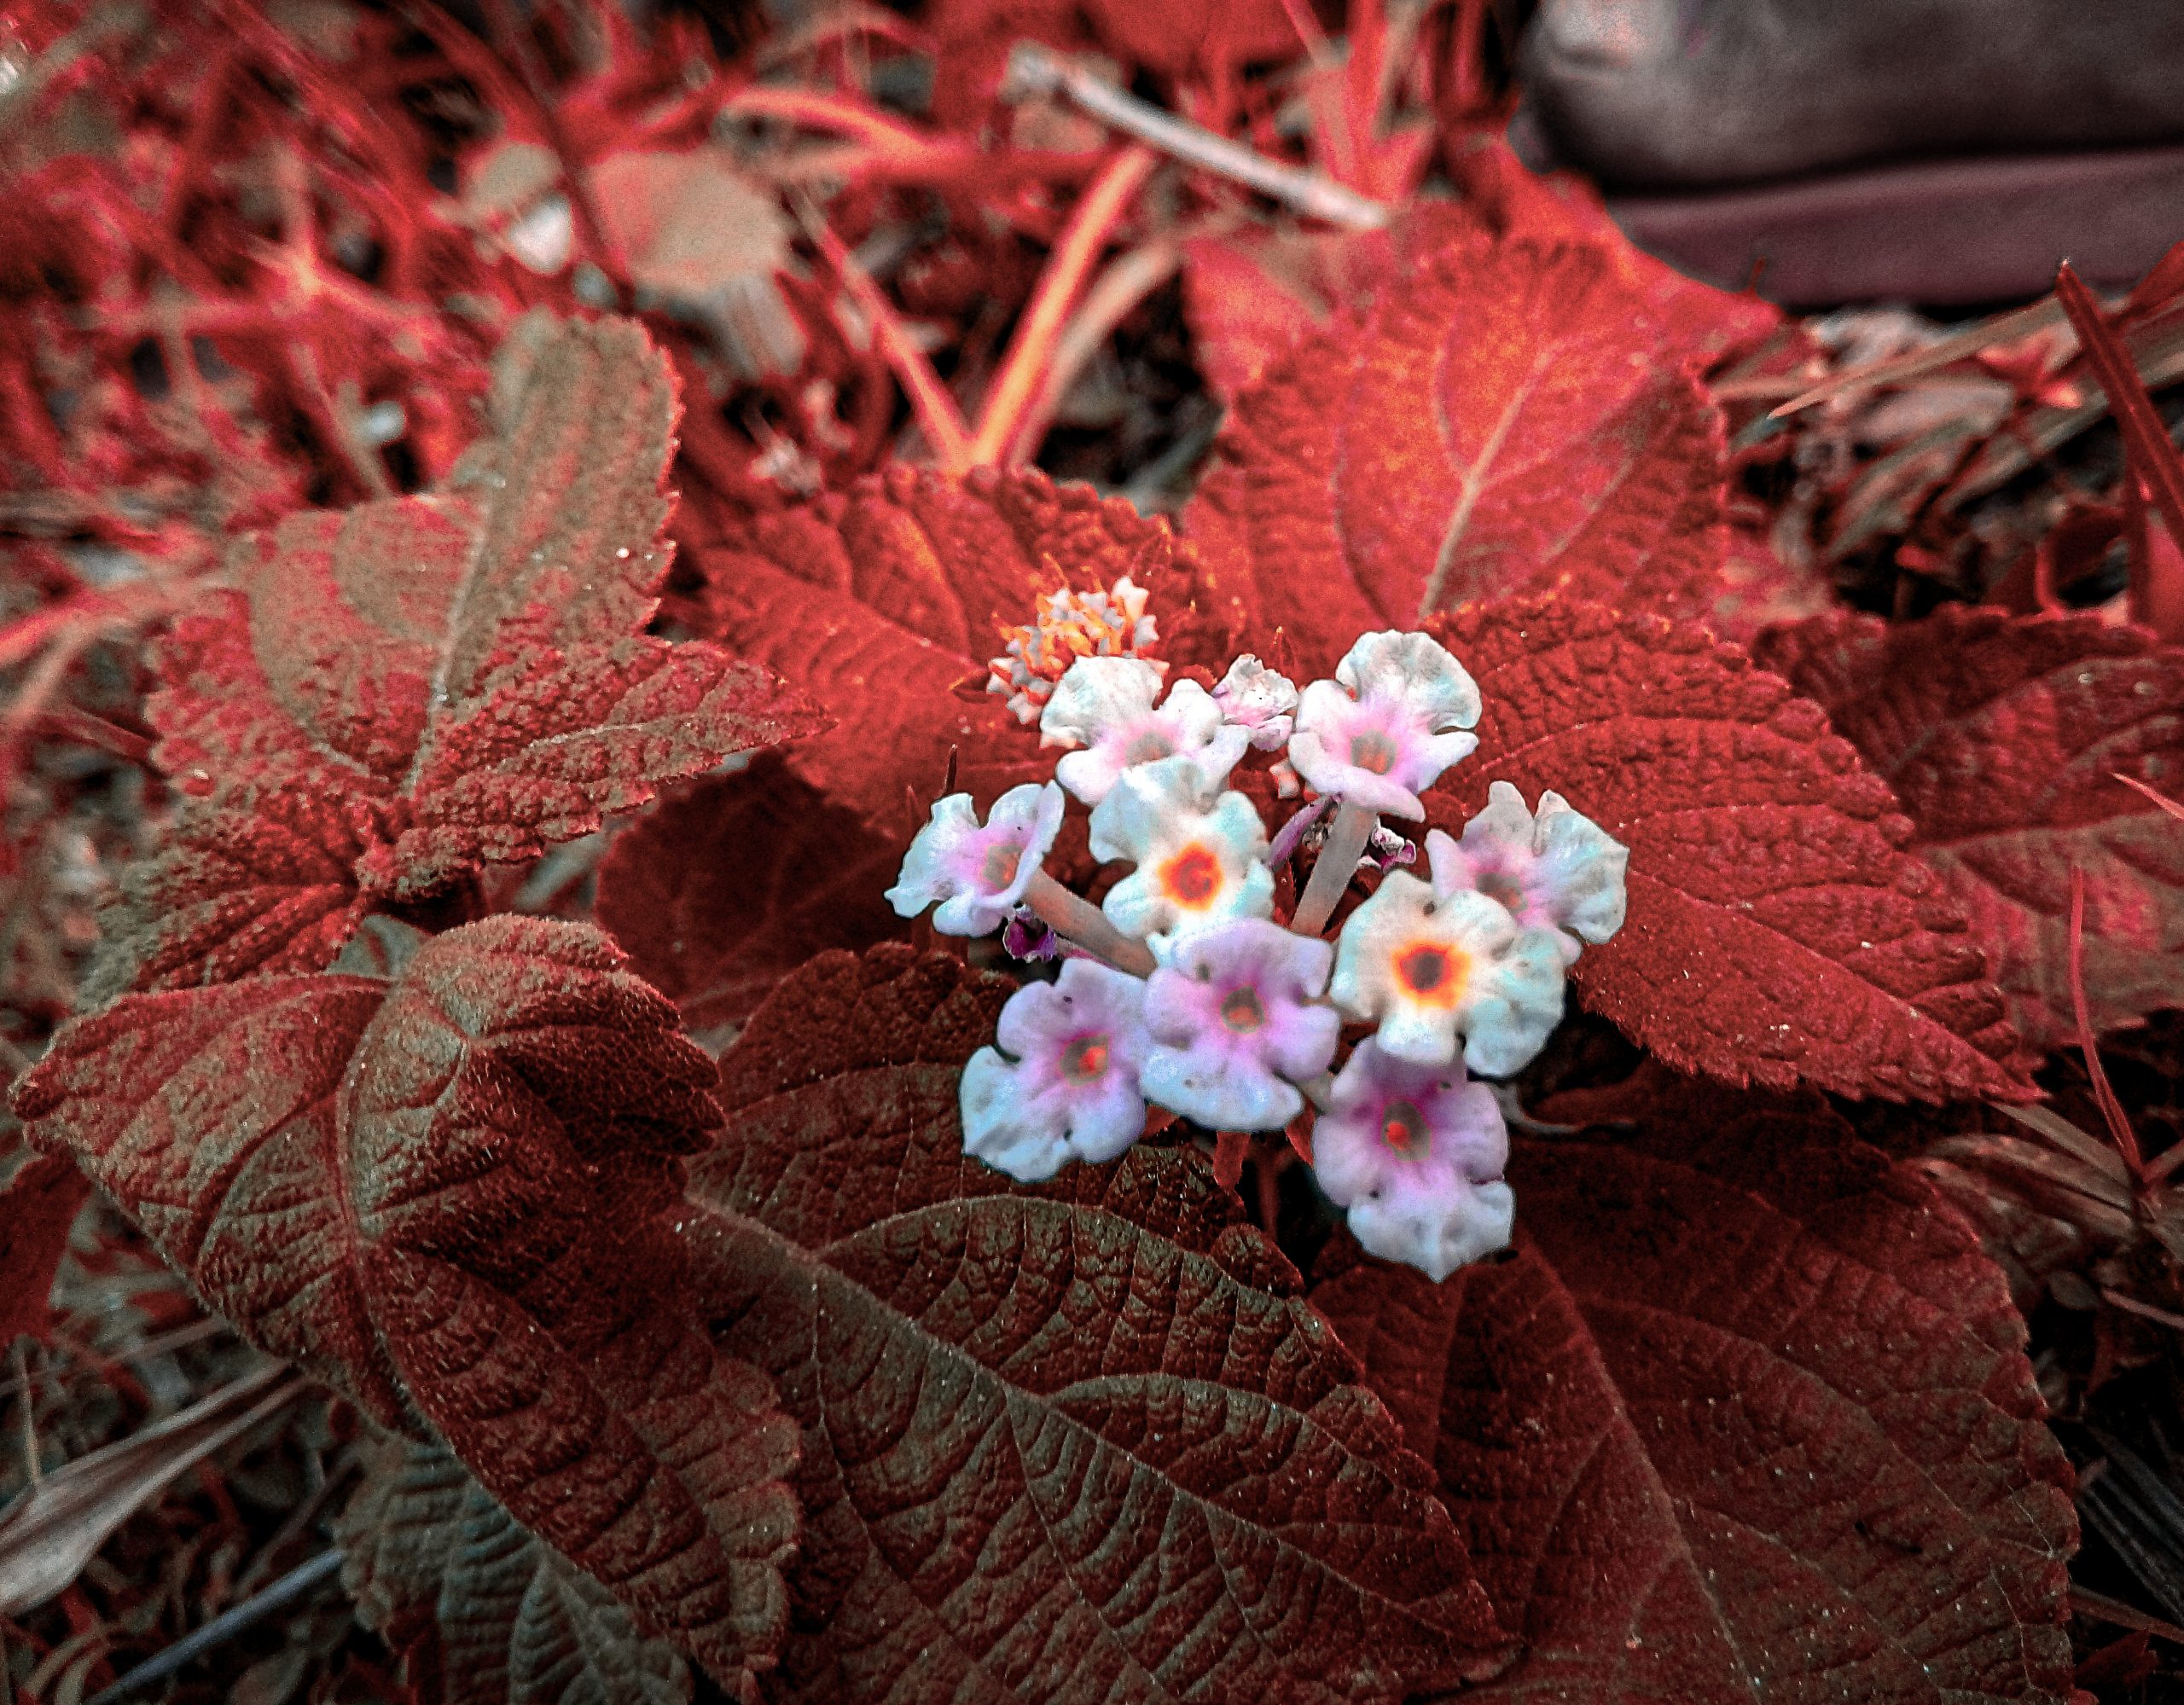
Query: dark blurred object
x=1942 y=232
x=1970 y=145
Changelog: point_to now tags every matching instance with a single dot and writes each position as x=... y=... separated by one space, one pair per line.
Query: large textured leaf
x=880 y=603
x=427 y=1555
x=719 y=894
x=445 y=1196
x=397 y=693
x=1505 y=416
x=1080 y=1442
x=2004 y=737
x=1746 y=1418
x=1777 y=930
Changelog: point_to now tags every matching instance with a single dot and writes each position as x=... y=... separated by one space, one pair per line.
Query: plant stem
x=1033 y=70
x=1090 y=222
x=940 y=418
x=1337 y=863
x=1083 y=925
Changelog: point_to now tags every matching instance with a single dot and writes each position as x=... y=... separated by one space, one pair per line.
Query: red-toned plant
x=899 y=1349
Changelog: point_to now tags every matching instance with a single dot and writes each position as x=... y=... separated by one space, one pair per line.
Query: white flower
x=1197 y=864
x=1070 y=1092
x=1254 y=697
x=1429 y=969
x=1415 y=1153
x=1557 y=871
x=978 y=874
x=1388 y=737
x=1106 y=704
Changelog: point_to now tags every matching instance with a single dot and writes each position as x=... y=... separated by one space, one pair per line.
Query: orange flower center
x=1147 y=747
x=1431 y=973
x=1375 y=752
x=1193 y=877
x=999 y=869
x=1403 y=1128
x=1085 y=1060
x=1241 y=1009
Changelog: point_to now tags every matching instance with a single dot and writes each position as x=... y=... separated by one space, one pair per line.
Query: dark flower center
x=1192 y=876
x=1375 y=752
x=1148 y=746
x=1241 y=1009
x=1499 y=884
x=1424 y=970
x=1403 y=1128
x=999 y=869
x=1085 y=1059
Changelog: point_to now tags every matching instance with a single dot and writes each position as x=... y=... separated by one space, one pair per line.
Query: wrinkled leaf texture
x=1499 y=419
x=450 y=1578
x=718 y=893
x=1778 y=932
x=2003 y=736
x=880 y=602
x=1083 y=1441
x=1747 y=1416
x=396 y=693
x=444 y=1196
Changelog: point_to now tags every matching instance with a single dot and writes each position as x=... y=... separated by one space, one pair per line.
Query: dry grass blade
x=2139 y=1514
x=2004 y=329
x=54 y=1529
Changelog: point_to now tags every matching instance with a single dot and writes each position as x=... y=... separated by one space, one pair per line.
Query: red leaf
x=1079 y=1442
x=427 y=1553
x=36 y=1209
x=718 y=894
x=1777 y=932
x=398 y=694
x=1747 y=1416
x=1504 y=417
x=879 y=603
x=2013 y=741
x=443 y=1195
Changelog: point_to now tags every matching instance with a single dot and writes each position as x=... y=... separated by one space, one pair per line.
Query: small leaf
x=1498 y=421
x=880 y=603
x=1747 y=1416
x=427 y=1553
x=444 y=1195
x=1079 y=1442
x=37 y=1211
x=400 y=693
x=719 y=894
x=2013 y=741
x=1778 y=932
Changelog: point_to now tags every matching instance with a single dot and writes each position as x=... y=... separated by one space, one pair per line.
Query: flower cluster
x=1070 y=625
x=1182 y=990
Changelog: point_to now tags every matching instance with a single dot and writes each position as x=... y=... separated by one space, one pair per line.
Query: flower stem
x=1083 y=925
x=1031 y=351
x=1337 y=863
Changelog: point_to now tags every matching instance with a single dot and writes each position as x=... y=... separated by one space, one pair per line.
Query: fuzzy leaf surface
x=37 y=1211
x=879 y=603
x=1746 y=1417
x=394 y=694
x=444 y=1195
x=1080 y=1442
x=1778 y=932
x=2004 y=736
x=428 y=1555
x=1497 y=420
x=720 y=893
